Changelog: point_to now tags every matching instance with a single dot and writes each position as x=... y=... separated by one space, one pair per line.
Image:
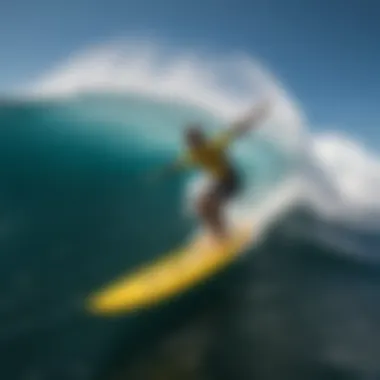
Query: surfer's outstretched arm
x=238 y=128
x=251 y=120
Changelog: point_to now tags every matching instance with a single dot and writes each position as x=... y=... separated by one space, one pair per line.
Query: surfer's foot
x=219 y=236
x=214 y=237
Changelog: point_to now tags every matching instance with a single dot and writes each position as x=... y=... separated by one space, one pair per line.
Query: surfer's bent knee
x=204 y=203
x=220 y=192
x=227 y=187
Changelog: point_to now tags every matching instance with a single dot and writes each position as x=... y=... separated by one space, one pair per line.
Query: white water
x=337 y=177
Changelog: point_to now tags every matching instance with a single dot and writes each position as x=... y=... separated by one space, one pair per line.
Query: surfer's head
x=194 y=136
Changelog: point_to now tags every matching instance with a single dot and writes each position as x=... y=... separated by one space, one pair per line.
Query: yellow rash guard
x=211 y=157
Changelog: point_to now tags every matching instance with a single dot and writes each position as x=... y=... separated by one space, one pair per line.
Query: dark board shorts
x=227 y=187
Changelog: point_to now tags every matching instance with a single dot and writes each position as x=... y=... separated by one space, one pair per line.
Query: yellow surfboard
x=171 y=275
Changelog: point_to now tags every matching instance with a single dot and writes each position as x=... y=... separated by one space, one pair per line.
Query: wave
x=59 y=217
x=331 y=173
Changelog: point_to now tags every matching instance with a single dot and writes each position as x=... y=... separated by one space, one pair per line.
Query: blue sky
x=325 y=51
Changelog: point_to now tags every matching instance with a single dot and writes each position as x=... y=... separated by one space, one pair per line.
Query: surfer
x=210 y=155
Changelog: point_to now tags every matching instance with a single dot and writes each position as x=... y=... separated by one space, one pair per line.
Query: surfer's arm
x=181 y=163
x=251 y=120
x=239 y=127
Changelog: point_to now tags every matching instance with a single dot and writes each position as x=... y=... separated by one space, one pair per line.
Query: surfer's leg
x=211 y=205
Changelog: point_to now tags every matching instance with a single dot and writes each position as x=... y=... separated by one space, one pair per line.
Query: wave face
x=75 y=210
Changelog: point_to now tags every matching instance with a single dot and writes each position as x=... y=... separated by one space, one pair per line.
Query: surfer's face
x=195 y=137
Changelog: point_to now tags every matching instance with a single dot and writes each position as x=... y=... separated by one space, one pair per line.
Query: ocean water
x=76 y=210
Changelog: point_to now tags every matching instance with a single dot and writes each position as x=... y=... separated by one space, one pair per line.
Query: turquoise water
x=76 y=211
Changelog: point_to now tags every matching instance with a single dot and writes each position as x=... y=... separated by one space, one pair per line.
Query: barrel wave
x=76 y=210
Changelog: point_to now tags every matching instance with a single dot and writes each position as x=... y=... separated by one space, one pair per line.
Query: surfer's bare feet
x=219 y=237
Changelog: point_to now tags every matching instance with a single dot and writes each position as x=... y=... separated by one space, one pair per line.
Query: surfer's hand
x=153 y=178
x=159 y=175
x=260 y=110
x=167 y=171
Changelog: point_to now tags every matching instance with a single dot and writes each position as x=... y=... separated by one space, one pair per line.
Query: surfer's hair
x=194 y=133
